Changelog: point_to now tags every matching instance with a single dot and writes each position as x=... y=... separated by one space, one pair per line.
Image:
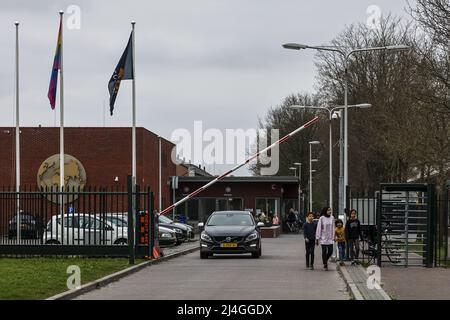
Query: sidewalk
x=356 y=279
x=416 y=283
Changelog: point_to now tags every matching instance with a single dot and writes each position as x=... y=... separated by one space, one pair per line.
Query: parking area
x=279 y=274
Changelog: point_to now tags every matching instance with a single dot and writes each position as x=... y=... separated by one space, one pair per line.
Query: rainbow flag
x=56 y=67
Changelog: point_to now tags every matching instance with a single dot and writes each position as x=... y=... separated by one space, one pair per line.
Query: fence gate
x=406 y=221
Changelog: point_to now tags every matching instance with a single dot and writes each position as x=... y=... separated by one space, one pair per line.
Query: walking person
x=309 y=233
x=325 y=235
x=353 y=234
x=291 y=220
x=340 y=240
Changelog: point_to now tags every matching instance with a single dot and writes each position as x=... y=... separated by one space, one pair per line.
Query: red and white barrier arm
x=196 y=192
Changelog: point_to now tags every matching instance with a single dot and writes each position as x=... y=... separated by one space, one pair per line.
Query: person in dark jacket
x=352 y=235
x=309 y=233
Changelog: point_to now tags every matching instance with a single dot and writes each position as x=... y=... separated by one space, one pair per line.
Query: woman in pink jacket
x=325 y=235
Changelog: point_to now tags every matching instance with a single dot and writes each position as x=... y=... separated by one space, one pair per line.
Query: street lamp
x=332 y=115
x=346 y=55
x=311 y=160
x=299 y=165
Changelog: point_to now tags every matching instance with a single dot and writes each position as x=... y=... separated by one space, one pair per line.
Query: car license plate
x=228 y=245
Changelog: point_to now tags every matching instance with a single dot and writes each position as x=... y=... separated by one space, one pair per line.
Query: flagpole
x=17 y=134
x=133 y=134
x=160 y=176
x=61 y=121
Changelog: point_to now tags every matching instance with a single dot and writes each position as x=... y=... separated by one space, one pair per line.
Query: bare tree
x=388 y=142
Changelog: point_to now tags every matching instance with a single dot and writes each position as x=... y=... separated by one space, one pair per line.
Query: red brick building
x=271 y=194
x=105 y=154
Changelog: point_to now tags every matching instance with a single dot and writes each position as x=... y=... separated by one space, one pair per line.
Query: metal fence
x=96 y=221
x=412 y=229
x=442 y=248
x=365 y=204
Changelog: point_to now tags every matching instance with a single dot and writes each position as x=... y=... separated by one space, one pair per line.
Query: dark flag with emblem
x=123 y=71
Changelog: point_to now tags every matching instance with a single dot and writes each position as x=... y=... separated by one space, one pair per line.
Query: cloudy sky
x=219 y=61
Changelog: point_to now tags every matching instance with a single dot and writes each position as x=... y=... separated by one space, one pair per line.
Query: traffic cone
x=157 y=253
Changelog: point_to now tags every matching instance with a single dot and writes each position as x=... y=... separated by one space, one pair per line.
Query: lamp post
x=299 y=165
x=332 y=112
x=346 y=55
x=311 y=160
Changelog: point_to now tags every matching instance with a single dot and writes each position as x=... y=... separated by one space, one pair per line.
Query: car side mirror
x=201 y=226
x=260 y=224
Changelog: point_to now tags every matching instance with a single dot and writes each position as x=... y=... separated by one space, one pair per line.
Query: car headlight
x=166 y=235
x=252 y=236
x=205 y=237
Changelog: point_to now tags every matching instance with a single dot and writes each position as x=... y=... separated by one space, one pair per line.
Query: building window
x=269 y=206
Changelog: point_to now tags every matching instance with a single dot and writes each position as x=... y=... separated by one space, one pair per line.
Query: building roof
x=197 y=171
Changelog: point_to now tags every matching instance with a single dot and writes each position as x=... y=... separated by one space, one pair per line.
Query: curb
x=68 y=295
x=352 y=287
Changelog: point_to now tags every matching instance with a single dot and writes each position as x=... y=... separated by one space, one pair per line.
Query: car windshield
x=230 y=219
x=164 y=219
x=119 y=222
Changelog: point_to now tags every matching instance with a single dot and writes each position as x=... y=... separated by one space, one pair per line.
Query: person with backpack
x=352 y=235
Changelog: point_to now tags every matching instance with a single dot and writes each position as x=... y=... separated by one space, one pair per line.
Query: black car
x=30 y=227
x=230 y=232
x=183 y=231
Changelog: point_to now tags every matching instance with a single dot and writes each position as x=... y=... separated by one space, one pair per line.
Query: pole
x=160 y=177
x=341 y=165
x=300 y=188
x=331 y=163
x=310 y=179
x=345 y=182
x=61 y=127
x=17 y=134
x=199 y=190
x=132 y=235
x=133 y=133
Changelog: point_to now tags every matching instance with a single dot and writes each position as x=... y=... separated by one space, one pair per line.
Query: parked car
x=30 y=227
x=184 y=231
x=84 y=229
x=230 y=232
x=166 y=236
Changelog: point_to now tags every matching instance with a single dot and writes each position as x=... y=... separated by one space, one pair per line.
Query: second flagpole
x=17 y=134
x=133 y=134
x=61 y=128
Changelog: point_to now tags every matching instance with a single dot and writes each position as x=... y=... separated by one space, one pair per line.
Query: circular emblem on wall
x=228 y=190
x=48 y=175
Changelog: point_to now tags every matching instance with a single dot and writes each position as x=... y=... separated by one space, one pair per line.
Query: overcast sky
x=219 y=61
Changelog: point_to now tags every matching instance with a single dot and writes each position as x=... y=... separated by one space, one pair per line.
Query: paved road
x=279 y=274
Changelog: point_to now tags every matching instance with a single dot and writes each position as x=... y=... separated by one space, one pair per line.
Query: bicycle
x=391 y=249
x=293 y=227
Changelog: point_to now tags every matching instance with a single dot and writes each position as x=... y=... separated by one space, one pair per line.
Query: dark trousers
x=327 y=252
x=310 y=252
x=341 y=249
x=354 y=248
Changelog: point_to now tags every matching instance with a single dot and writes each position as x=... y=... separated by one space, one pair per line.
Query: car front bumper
x=243 y=247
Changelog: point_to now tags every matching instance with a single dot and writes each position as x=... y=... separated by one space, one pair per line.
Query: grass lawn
x=40 y=278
